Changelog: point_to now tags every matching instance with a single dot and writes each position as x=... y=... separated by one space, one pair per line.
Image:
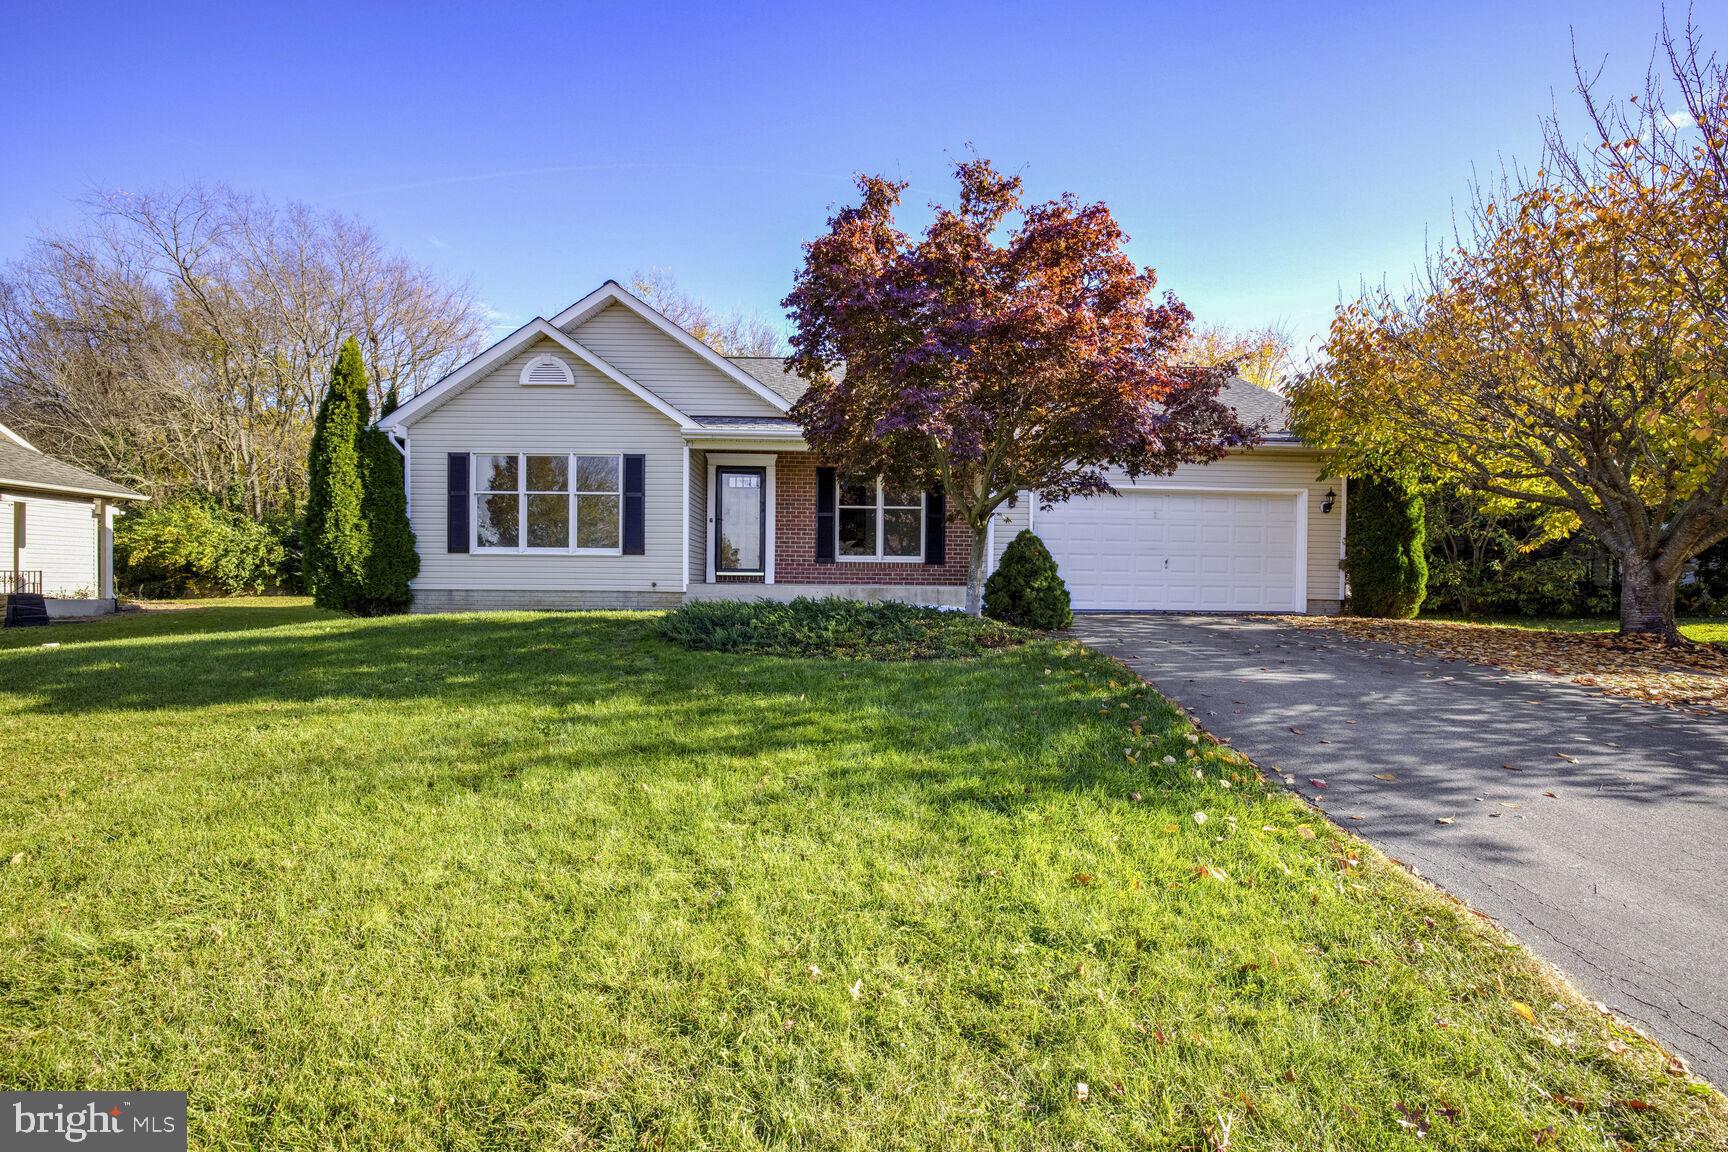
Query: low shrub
x=190 y=547
x=836 y=628
x=1026 y=589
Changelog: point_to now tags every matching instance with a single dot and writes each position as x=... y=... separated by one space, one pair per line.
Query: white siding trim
x=746 y=460
x=686 y=548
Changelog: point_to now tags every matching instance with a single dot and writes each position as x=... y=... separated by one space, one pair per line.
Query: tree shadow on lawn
x=575 y=671
x=160 y=624
x=595 y=691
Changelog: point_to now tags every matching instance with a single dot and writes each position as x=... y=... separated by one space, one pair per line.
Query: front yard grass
x=548 y=881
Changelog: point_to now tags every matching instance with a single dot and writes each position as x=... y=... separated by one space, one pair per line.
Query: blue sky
x=1262 y=157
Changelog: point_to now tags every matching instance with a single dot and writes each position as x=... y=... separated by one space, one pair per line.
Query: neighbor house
x=56 y=534
x=606 y=458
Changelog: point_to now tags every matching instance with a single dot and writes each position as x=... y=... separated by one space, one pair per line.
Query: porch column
x=104 y=551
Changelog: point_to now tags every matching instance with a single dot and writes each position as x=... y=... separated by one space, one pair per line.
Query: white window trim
x=881 y=509
x=717 y=460
x=475 y=492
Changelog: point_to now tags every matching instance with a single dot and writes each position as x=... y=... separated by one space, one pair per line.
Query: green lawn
x=1713 y=629
x=549 y=882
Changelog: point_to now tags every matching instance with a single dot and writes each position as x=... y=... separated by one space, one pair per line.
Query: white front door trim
x=763 y=460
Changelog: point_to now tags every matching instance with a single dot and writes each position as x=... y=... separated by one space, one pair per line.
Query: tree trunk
x=1647 y=600
x=975 y=573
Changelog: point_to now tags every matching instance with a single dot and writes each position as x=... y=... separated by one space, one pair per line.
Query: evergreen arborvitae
x=1385 y=550
x=333 y=541
x=392 y=561
x=1026 y=588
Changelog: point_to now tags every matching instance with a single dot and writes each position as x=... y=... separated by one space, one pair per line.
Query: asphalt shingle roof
x=1252 y=403
x=29 y=468
x=771 y=372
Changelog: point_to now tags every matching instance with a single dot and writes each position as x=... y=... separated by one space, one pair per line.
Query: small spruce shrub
x=834 y=627
x=391 y=558
x=1026 y=589
x=1385 y=553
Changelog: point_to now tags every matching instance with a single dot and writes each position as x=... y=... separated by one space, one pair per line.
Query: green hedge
x=1026 y=588
x=834 y=627
x=191 y=547
x=1384 y=550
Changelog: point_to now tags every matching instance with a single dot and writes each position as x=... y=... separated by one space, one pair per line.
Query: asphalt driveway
x=1595 y=829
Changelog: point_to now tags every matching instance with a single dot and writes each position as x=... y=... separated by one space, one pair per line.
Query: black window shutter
x=635 y=505
x=825 y=528
x=935 y=526
x=456 y=519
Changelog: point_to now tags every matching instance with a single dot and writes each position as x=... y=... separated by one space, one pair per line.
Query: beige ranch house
x=605 y=458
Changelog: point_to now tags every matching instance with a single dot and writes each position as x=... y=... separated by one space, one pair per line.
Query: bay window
x=878 y=521
x=534 y=502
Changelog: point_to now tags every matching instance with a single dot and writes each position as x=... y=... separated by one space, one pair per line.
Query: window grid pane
x=596 y=474
x=548 y=520
x=548 y=474
x=497 y=473
x=597 y=520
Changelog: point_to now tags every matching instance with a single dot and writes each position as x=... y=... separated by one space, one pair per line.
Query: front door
x=741 y=521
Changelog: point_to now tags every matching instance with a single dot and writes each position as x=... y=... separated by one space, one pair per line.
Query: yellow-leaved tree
x=1569 y=353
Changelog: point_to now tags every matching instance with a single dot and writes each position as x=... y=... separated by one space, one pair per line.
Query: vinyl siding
x=59 y=541
x=665 y=367
x=698 y=516
x=1265 y=468
x=497 y=414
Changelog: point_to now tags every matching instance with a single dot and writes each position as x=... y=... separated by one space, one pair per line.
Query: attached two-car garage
x=1181 y=550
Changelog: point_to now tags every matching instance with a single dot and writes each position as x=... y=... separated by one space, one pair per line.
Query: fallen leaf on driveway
x=1318 y=783
x=1444 y=819
x=1691 y=675
x=1568 y=759
x=1385 y=776
x=1550 y=795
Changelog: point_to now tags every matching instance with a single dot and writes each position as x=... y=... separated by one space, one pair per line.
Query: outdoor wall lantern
x=1328 y=500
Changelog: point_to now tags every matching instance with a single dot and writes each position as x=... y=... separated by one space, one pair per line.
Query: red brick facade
x=795 y=539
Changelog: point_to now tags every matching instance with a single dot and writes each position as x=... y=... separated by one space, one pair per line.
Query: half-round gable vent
x=547 y=369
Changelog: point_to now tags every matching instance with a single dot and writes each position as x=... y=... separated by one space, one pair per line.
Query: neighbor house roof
x=22 y=466
x=1251 y=402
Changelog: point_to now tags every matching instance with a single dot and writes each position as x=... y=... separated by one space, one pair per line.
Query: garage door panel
x=1148 y=550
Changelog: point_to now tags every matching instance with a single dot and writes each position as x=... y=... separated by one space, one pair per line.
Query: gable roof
x=539 y=328
x=22 y=466
x=613 y=292
x=771 y=372
x=1251 y=402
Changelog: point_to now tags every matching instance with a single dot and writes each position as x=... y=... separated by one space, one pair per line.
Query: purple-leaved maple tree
x=1013 y=347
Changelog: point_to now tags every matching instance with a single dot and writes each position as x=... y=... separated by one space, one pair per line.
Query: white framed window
x=548 y=502
x=877 y=521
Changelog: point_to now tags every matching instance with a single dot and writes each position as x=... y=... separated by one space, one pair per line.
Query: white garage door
x=1178 y=551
